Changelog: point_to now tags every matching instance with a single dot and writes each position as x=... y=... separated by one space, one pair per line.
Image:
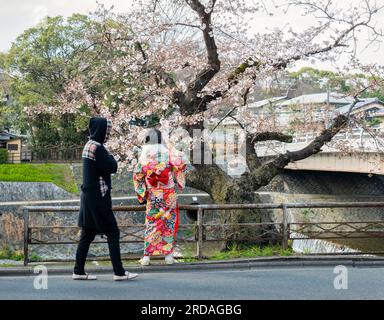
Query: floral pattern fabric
x=156 y=176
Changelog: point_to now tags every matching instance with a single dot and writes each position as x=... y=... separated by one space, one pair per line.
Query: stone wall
x=327 y=183
x=306 y=187
x=32 y=191
x=15 y=195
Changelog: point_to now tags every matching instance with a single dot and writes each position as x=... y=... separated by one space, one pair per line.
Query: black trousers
x=86 y=238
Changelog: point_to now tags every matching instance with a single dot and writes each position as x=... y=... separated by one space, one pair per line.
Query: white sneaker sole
x=123 y=278
x=83 y=277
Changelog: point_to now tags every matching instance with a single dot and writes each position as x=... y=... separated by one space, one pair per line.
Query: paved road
x=273 y=283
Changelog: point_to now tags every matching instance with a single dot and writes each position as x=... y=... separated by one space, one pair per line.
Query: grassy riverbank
x=59 y=174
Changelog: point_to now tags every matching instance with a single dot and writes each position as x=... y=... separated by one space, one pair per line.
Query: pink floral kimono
x=155 y=178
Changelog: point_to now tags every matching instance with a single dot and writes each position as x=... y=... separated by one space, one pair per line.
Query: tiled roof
x=5 y=136
x=363 y=103
x=319 y=98
x=261 y=103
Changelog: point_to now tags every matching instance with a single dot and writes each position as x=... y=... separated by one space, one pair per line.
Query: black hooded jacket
x=98 y=129
x=97 y=162
x=98 y=165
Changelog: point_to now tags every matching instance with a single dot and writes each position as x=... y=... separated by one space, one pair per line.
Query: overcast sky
x=18 y=15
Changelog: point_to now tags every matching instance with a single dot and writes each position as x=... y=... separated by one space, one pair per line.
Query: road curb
x=268 y=262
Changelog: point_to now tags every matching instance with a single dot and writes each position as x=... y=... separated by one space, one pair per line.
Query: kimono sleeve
x=179 y=163
x=139 y=183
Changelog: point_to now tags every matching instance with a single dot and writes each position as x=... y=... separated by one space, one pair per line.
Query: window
x=13 y=147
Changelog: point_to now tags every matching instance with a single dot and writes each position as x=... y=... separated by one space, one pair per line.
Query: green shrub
x=251 y=252
x=3 y=155
x=6 y=252
x=35 y=258
x=17 y=255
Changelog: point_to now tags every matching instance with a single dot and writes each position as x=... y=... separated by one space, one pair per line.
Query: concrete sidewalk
x=264 y=262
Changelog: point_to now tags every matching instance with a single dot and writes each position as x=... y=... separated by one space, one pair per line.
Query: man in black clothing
x=96 y=215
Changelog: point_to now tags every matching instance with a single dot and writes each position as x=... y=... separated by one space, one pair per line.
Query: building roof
x=262 y=103
x=6 y=136
x=319 y=98
x=363 y=103
x=380 y=112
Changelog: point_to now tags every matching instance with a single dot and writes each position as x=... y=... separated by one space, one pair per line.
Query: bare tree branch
x=268 y=136
x=213 y=64
x=265 y=173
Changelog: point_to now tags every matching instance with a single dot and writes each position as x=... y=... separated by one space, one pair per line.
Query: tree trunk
x=225 y=189
x=237 y=235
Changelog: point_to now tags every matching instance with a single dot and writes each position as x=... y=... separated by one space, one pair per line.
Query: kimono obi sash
x=159 y=180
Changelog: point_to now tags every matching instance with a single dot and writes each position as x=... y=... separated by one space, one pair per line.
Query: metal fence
x=283 y=230
x=47 y=155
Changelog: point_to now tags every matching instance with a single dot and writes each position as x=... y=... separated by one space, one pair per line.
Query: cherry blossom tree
x=189 y=61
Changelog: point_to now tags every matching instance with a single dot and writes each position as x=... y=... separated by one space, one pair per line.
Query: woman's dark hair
x=153 y=136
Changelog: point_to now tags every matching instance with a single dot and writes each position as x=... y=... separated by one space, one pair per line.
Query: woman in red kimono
x=158 y=173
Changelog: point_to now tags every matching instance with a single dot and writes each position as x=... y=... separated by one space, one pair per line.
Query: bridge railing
x=359 y=138
x=283 y=230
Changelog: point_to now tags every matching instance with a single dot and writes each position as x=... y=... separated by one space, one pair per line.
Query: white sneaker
x=145 y=261
x=83 y=277
x=127 y=276
x=169 y=259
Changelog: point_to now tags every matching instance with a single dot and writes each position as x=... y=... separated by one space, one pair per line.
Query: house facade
x=15 y=146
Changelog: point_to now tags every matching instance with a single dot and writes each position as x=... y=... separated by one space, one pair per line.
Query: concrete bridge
x=355 y=152
x=371 y=163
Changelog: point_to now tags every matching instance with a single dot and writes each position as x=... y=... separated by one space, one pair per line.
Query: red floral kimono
x=155 y=178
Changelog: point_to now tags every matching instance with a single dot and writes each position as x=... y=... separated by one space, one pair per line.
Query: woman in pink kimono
x=158 y=172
